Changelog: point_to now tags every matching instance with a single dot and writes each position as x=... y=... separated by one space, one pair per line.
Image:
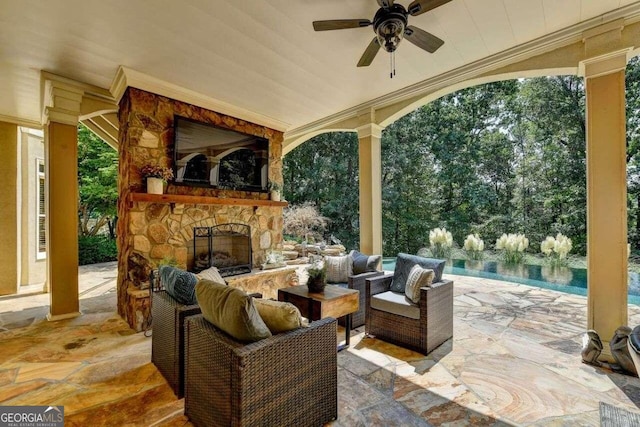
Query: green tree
x=324 y=171
x=633 y=150
x=552 y=161
x=97 y=184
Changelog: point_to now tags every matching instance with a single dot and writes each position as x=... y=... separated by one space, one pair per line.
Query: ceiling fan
x=390 y=24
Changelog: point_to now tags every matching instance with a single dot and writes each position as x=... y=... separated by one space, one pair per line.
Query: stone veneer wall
x=150 y=232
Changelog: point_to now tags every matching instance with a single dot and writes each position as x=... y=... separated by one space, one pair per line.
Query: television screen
x=208 y=156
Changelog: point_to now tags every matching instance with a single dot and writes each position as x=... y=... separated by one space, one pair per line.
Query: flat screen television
x=206 y=155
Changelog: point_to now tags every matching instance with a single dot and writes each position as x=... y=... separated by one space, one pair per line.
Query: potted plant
x=275 y=188
x=317 y=277
x=156 y=176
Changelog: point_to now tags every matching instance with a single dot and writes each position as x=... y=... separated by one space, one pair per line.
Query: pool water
x=563 y=279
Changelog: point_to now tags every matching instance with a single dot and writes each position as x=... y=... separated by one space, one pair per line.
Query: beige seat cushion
x=418 y=277
x=279 y=316
x=395 y=303
x=338 y=268
x=231 y=310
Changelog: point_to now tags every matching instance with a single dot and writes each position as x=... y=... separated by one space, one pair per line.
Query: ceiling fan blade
x=422 y=39
x=418 y=7
x=370 y=53
x=340 y=24
x=386 y=4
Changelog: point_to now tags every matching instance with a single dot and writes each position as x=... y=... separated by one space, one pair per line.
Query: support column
x=9 y=209
x=606 y=195
x=370 y=166
x=61 y=152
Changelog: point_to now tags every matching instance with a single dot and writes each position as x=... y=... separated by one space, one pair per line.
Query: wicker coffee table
x=334 y=301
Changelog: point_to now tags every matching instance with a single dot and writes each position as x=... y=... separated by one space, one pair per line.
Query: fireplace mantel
x=201 y=200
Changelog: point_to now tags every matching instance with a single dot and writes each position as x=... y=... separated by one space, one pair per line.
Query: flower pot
x=316 y=284
x=275 y=196
x=154 y=185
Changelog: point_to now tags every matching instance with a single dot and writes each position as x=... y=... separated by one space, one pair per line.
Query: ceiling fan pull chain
x=394 y=62
x=392 y=65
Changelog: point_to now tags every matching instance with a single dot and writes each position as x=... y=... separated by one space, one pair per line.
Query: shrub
x=473 y=247
x=556 y=249
x=302 y=221
x=95 y=249
x=441 y=242
x=513 y=246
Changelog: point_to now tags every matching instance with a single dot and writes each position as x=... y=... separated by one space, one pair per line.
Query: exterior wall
x=33 y=265
x=150 y=232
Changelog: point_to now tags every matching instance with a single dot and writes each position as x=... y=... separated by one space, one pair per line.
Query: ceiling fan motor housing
x=389 y=26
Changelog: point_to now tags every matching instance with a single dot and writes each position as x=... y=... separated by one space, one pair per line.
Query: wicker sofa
x=433 y=326
x=167 y=342
x=287 y=379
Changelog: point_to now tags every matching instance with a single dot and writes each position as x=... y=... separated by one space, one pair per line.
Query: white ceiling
x=262 y=56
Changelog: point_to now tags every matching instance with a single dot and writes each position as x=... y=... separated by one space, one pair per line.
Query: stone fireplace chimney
x=158 y=228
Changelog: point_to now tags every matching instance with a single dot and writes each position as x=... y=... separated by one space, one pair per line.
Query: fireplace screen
x=226 y=247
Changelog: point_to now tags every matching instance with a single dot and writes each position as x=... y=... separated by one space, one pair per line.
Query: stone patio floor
x=514 y=361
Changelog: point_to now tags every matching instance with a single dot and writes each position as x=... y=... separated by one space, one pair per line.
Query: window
x=41 y=239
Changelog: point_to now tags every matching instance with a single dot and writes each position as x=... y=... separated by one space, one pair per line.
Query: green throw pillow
x=280 y=316
x=231 y=310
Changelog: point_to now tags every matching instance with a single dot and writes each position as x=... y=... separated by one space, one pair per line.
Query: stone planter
x=155 y=185
x=275 y=196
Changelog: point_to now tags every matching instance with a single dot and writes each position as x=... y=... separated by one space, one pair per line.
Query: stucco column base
x=370 y=166
x=56 y=317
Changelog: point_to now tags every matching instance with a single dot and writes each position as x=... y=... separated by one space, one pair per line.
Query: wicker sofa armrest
x=378 y=284
x=440 y=284
x=357 y=281
x=441 y=287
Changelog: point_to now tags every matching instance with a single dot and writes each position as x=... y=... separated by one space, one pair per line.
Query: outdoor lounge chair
x=392 y=317
x=284 y=380
x=167 y=342
x=361 y=267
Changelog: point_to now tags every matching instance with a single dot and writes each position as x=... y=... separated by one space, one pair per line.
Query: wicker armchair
x=287 y=379
x=167 y=341
x=357 y=282
x=433 y=326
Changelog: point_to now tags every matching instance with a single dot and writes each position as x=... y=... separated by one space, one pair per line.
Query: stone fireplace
x=226 y=247
x=153 y=229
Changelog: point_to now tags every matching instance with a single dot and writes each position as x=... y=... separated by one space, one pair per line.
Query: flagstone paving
x=514 y=361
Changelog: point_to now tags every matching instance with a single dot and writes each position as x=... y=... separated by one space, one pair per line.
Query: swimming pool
x=563 y=279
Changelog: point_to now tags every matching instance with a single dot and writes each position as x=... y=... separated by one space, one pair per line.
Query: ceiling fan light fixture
x=390 y=33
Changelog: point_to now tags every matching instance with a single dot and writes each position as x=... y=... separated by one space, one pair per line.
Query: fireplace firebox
x=226 y=247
